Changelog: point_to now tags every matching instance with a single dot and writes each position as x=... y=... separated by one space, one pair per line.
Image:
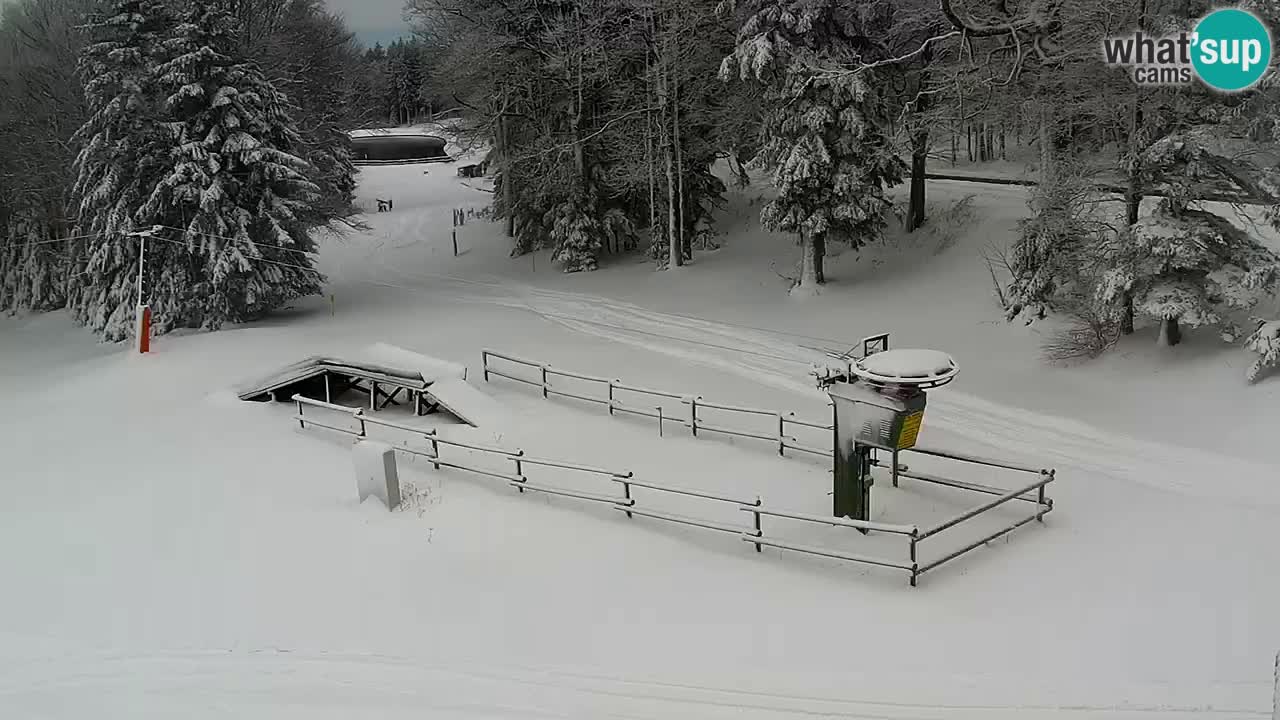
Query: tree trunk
x=1133 y=188
x=919 y=149
x=1170 y=333
x=649 y=140
x=1003 y=155
x=819 y=258
x=919 y=155
x=955 y=145
x=813 y=247
x=685 y=251
x=1046 y=146
x=653 y=189
x=508 y=174
x=577 y=112
x=968 y=141
x=674 y=255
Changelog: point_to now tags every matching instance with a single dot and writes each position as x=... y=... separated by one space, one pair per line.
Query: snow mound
x=908 y=363
x=472 y=406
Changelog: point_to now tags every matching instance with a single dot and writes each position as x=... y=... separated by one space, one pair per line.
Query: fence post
x=544 y=382
x=693 y=414
x=610 y=382
x=519 y=468
x=659 y=421
x=301 y=423
x=626 y=494
x=435 y=449
x=359 y=415
x=1040 y=497
x=484 y=364
x=782 y=437
x=1275 y=696
x=756 y=522
x=915 y=567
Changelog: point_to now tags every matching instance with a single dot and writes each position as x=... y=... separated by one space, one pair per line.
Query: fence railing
x=754 y=533
x=780 y=435
x=519 y=460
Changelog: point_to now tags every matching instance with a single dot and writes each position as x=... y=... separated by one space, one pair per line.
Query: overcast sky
x=372 y=20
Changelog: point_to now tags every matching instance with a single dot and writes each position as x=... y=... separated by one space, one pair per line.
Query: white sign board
x=376 y=475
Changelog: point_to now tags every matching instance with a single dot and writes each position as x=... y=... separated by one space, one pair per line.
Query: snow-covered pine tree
x=575 y=235
x=824 y=133
x=240 y=196
x=1184 y=266
x=119 y=160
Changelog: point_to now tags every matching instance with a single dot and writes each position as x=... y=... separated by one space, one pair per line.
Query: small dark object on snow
x=384 y=205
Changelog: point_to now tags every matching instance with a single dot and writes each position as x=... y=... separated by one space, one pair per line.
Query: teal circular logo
x=1231 y=49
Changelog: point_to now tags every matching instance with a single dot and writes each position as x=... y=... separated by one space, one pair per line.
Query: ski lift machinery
x=878 y=403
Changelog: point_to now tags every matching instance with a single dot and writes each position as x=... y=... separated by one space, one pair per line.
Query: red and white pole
x=142 y=321
x=143 y=328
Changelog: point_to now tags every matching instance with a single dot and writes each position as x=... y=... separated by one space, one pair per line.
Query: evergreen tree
x=240 y=195
x=119 y=158
x=823 y=134
x=1183 y=266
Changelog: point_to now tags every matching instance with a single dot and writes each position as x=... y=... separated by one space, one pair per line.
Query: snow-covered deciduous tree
x=1265 y=341
x=824 y=136
x=1047 y=260
x=120 y=158
x=41 y=106
x=238 y=195
x=308 y=53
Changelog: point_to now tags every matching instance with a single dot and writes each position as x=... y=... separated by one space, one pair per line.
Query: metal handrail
x=824 y=552
x=685 y=520
x=575 y=466
x=841 y=522
x=975 y=459
x=749 y=504
x=968 y=514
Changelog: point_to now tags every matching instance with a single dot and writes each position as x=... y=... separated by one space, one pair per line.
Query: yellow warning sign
x=910 y=429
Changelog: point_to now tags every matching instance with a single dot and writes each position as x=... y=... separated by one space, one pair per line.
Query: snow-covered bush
x=1265 y=341
x=1091 y=332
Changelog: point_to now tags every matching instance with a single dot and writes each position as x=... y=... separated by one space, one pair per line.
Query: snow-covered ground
x=170 y=551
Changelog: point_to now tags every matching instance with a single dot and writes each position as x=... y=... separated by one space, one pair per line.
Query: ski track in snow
x=332 y=680
x=1038 y=439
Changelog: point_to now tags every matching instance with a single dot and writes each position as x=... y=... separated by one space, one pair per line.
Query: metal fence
x=619 y=397
x=754 y=533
